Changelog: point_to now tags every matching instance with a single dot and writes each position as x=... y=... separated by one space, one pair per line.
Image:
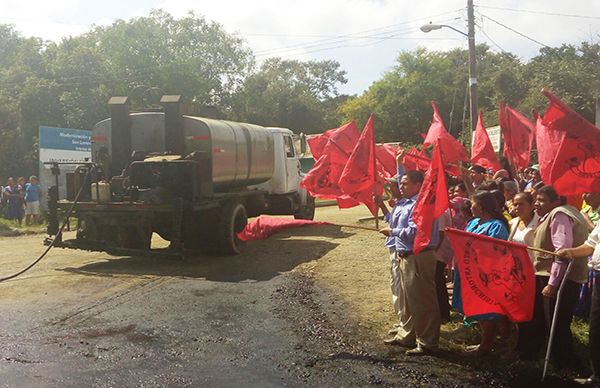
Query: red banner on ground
x=266 y=226
x=496 y=276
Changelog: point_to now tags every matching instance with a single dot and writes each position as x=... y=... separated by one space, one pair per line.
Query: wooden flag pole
x=553 y=325
x=543 y=251
x=357 y=227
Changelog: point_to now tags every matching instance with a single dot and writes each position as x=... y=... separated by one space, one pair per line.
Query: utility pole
x=472 y=67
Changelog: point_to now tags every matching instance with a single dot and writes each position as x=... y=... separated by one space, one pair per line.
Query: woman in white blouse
x=522 y=227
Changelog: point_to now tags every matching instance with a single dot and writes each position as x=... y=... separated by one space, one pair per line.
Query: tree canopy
x=68 y=84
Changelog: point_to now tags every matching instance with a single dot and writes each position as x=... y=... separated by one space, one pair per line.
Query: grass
x=455 y=337
x=12 y=228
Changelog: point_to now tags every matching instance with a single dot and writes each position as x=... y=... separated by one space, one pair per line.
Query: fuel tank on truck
x=240 y=154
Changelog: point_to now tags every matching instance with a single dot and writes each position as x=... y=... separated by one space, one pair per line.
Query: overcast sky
x=364 y=36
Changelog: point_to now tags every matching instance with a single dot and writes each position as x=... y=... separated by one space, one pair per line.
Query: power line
x=388 y=35
x=378 y=30
x=480 y=28
x=515 y=31
x=539 y=12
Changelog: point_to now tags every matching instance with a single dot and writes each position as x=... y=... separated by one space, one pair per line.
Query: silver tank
x=241 y=154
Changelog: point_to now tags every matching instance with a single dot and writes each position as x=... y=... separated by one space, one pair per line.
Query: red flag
x=386 y=160
x=415 y=160
x=452 y=150
x=322 y=179
x=496 y=276
x=359 y=175
x=576 y=168
x=482 y=152
x=518 y=133
x=547 y=142
x=265 y=226
x=344 y=138
x=432 y=201
x=345 y=201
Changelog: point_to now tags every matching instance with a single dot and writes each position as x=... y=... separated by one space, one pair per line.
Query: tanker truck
x=194 y=181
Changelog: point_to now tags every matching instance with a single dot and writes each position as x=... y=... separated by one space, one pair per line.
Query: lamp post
x=472 y=59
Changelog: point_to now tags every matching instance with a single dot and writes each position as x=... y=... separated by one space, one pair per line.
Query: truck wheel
x=233 y=221
x=306 y=212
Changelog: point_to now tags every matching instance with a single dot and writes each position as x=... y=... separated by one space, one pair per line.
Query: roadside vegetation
x=68 y=83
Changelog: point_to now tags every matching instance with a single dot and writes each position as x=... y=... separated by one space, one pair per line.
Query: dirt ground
x=306 y=307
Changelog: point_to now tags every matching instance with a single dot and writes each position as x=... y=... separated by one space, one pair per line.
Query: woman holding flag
x=488 y=221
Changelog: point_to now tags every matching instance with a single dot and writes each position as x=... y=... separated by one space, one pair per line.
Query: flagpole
x=553 y=326
x=543 y=251
x=357 y=227
x=375 y=178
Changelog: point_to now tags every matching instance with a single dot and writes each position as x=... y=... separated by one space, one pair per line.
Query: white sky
x=365 y=36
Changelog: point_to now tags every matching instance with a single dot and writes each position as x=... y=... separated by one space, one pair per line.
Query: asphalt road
x=89 y=319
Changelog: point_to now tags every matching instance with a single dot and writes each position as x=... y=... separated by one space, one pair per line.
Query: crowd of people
x=507 y=206
x=21 y=199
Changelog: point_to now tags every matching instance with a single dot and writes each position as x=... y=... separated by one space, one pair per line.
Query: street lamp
x=430 y=27
x=472 y=59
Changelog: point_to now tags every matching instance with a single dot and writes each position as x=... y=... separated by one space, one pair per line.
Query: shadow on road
x=260 y=260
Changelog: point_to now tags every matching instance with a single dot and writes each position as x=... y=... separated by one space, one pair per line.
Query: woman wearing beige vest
x=561 y=226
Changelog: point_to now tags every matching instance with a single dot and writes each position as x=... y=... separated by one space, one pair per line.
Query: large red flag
x=518 y=133
x=432 y=201
x=358 y=180
x=344 y=138
x=496 y=276
x=547 y=142
x=416 y=160
x=322 y=179
x=386 y=160
x=482 y=152
x=452 y=150
x=576 y=167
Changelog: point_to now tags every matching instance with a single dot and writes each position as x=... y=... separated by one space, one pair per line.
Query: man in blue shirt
x=390 y=243
x=419 y=326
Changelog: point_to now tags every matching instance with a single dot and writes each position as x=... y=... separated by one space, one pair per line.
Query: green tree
x=401 y=99
x=302 y=96
x=568 y=71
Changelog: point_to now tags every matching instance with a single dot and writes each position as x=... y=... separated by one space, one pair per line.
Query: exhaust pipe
x=174 y=142
x=120 y=134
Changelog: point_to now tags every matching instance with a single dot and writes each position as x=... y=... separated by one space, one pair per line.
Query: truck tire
x=233 y=221
x=306 y=212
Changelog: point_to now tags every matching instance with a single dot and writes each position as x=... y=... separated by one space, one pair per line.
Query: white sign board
x=495 y=137
x=62 y=145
